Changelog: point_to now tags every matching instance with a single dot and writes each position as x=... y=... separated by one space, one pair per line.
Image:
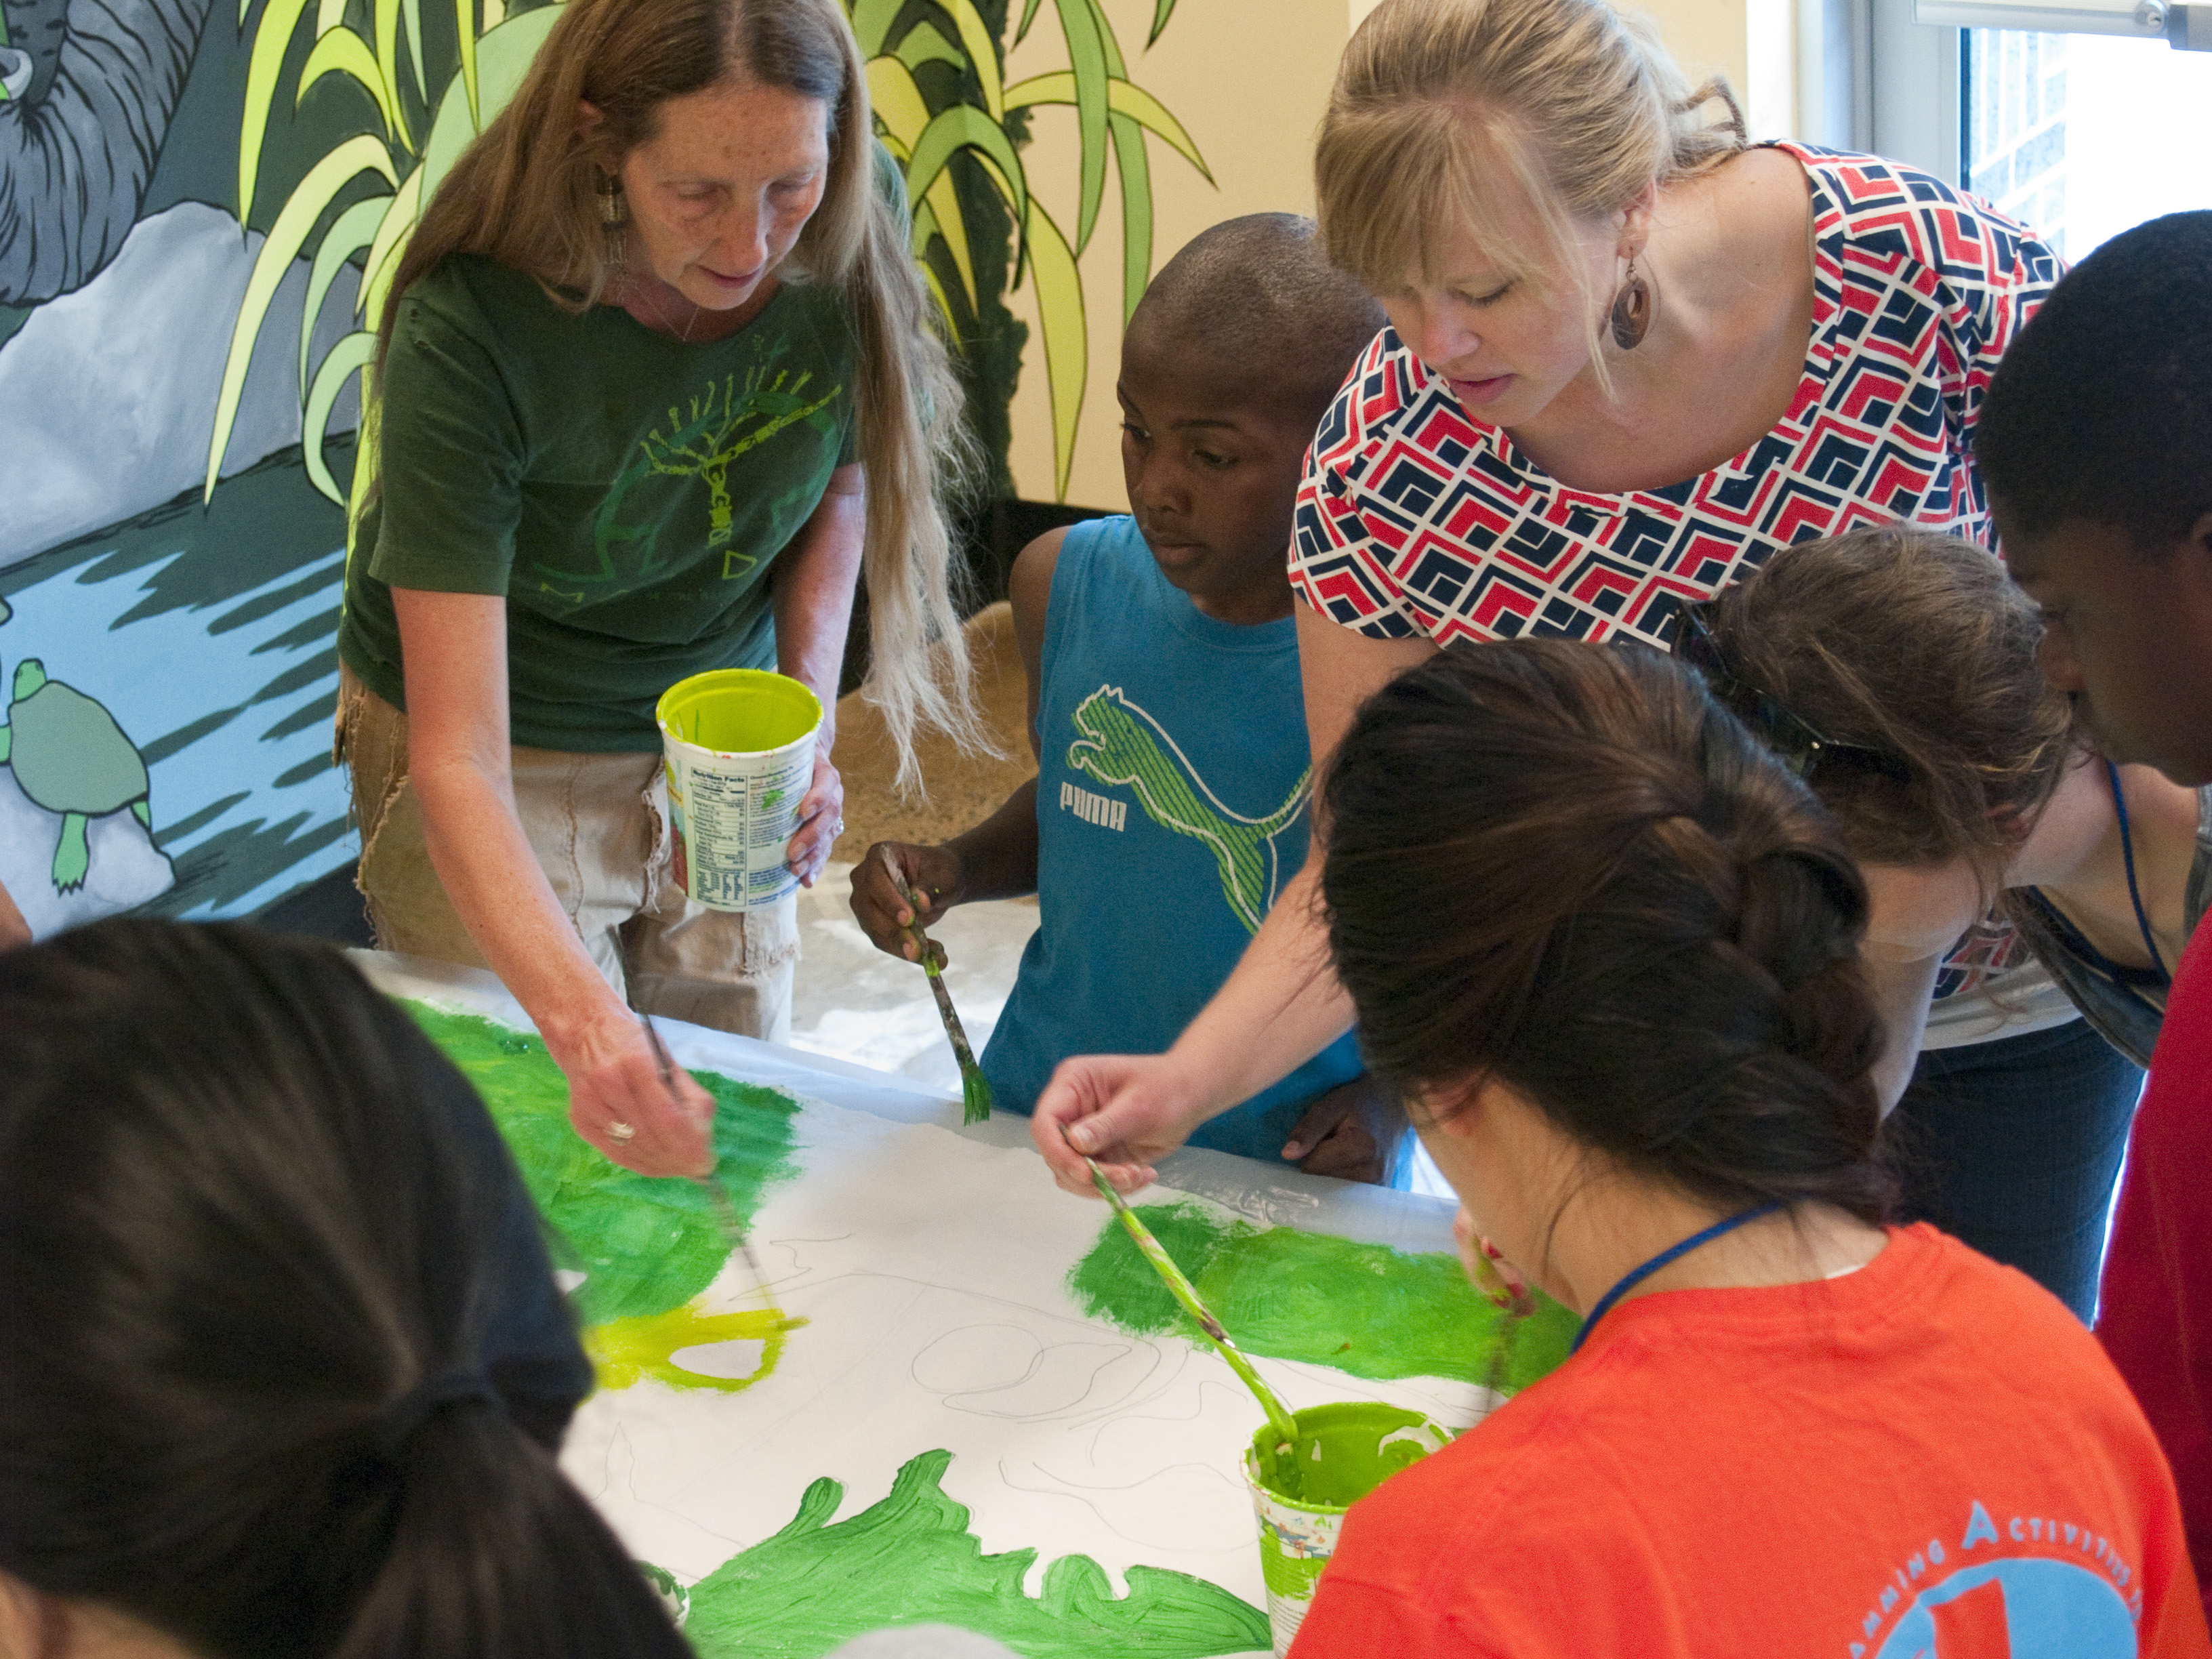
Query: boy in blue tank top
x=1173 y=784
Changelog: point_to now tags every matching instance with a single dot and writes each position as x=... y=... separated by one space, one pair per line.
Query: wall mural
x=200 y=214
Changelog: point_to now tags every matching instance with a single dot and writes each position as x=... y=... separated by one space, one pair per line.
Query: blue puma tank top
x=1172 y=795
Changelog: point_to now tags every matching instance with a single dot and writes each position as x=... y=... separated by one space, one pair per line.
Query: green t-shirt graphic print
x=626 y=493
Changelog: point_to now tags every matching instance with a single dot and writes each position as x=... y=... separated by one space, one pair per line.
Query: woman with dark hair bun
x=285 y=1368
x=1960 y=773
x=1645 y=1070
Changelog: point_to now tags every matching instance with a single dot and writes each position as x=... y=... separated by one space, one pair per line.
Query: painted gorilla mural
x=188 y=639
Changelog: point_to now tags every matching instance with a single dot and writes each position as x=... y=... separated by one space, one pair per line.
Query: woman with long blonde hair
x=657 y=387
x=1630 y=355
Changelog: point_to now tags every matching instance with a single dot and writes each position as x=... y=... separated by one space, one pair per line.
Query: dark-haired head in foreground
x=2096 y=444
x=1564 y=869
x=285 y=1368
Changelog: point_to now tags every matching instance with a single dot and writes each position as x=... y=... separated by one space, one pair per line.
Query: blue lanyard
x=2128 y=856
x=1638 y=1275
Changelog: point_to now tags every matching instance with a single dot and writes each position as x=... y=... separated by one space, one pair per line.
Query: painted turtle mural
x=71 y=758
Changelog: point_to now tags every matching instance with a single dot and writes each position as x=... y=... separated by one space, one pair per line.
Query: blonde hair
x=524 y=194
x=1573 y=107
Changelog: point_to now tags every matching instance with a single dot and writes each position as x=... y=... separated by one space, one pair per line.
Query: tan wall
x=1248 y=80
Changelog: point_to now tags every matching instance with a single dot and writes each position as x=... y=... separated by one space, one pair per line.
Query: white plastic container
x=738 y=746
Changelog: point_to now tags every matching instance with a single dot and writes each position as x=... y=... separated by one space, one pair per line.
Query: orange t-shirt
x=1926 y=1459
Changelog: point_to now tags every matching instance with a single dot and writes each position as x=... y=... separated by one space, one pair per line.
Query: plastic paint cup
x=737 y=744
x=1342 y=1453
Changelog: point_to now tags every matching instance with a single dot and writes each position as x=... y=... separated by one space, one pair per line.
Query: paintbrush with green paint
x=726 y=1213
x=1185 y=1292
x=975 y=1087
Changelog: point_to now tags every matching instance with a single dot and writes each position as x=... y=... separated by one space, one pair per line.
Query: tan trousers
x=599 y=826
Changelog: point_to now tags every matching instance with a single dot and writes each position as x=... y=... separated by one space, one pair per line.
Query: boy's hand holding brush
x=906 y=915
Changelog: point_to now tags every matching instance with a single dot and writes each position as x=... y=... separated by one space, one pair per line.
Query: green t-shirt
x=625 y=491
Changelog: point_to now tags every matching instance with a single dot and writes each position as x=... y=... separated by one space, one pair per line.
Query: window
x=2082 y=136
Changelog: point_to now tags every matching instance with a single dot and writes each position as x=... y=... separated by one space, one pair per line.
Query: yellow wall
x=1248 y=80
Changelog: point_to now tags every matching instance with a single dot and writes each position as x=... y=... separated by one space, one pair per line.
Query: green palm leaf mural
x=935 y=79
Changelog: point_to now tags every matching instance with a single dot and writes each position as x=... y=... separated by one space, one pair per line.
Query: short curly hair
x=2102 y=409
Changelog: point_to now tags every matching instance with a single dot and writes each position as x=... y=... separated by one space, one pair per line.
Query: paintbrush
x=975 y=1087
x=1184 y=1292
x=725 y=1212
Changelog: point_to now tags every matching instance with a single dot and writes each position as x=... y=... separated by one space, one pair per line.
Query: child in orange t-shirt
x=1786 y=1429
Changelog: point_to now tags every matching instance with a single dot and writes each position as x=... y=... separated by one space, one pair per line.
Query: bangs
x=1400 y=185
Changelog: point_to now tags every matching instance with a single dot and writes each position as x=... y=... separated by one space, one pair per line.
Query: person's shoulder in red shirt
x=1922 y=1454
x=2095 y=442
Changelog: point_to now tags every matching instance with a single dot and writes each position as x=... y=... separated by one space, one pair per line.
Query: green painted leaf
x=294 y=222
x=329 y=15
x=464 y=21
x=1059 y=288
x=1162 y=10
x=871 y=22
x=943 y=205
x=1028 y=16
x=896 y=101
x=981 y=47
x=924 y=45
x=1136 y=170
x=348 y=358
x=387 y=58
x=647 y=1245
x=909 y=1558
x=391 y=242
x=412 y=11
x=1055 y=87
x=1086 y=56
x=342 y=51
x=1311 y=1298
x=1124 y=98
x=936 y=292
x=348 y=234
x=965 y=127
x=504 y=58
x=263 y=65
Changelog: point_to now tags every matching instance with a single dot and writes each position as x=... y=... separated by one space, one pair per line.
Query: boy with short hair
x=1171 y=801
x=2096 y=443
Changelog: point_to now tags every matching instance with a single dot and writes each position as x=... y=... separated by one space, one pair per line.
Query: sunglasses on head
x=1799 y=747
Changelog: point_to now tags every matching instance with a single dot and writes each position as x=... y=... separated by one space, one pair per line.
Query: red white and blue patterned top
x=1414 y=518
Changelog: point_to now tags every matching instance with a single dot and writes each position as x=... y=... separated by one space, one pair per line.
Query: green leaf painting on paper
x=910 y=1559
x=427 y=85
x=1364 y=1308
x=645 y=1247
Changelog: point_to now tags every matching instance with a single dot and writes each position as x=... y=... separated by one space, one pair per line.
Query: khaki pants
x=598 y=824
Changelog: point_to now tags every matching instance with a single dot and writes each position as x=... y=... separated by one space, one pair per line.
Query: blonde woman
x=658 y=388
x=1628 y=356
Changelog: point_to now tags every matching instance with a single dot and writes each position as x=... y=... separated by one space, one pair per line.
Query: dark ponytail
x=285 y=1368
x=1563 y=866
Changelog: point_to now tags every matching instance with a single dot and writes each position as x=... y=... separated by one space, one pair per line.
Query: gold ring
x=621 y=1132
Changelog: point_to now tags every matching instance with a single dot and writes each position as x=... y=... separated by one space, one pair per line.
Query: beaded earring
x=614 y=215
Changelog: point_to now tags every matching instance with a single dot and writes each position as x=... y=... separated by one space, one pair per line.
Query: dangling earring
x=1631 y=311
x=614 y=215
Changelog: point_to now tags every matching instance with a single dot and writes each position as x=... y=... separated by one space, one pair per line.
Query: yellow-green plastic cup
x=738 y=746
x=1342 y=1453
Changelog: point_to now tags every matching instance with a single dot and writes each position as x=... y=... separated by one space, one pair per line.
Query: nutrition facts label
x=735 y=826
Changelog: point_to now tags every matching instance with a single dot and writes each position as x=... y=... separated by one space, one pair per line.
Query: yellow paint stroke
x=625 y=1350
